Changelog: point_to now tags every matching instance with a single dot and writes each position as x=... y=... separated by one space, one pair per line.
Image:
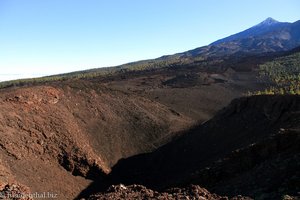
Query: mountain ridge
x=270 y=37
x=267 y=25
x=266 y=36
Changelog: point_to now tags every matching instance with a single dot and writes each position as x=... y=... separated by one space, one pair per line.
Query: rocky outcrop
x=141 y=192
x=267 y=169
x=15 y=192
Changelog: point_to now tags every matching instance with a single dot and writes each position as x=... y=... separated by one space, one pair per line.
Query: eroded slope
x=250 y=148
x=51 y=136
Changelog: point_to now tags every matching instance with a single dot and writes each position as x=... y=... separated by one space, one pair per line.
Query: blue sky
x=42 y=37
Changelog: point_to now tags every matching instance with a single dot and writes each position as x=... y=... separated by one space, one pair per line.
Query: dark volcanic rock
x=141 y=192
x=15 y=192
x=252 y=148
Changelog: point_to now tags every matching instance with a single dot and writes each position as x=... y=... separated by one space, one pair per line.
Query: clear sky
x=42 y=37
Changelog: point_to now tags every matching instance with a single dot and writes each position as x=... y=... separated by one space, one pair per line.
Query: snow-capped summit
x=263 y=27
x=268 y=22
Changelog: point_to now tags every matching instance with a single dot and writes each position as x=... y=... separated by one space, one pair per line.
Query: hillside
x=81 y=128
x=70 y=133
x=283 y=74
x=61 y=133
x=75 y=130
x=239 y=151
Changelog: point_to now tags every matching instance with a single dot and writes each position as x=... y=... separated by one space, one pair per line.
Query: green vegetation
x=61 y=77
x=100 y=72
x=163 y=62
x=284 y=74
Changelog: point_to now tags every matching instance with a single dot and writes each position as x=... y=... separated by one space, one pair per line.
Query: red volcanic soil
x=54 y=136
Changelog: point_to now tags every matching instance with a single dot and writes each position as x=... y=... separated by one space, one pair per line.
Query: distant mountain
x=265 y=26
x=267 y=36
